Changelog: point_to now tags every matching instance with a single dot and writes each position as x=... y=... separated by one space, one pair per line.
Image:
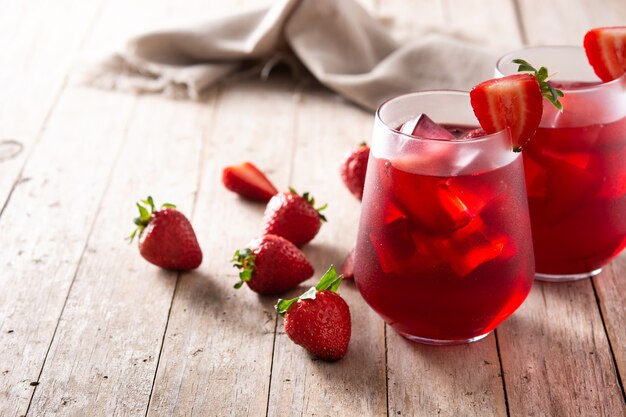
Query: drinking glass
x=444 y=252
x=575 y=167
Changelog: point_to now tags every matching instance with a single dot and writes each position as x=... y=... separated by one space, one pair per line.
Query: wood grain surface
x=88 y=328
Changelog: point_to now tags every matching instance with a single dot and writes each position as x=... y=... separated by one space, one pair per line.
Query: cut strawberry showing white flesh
x=513 y=102
x=606 y=51
x=249 y=182
x=423 y=127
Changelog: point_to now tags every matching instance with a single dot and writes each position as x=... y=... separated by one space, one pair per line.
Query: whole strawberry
x=319 y=320
x=166 y=238
x=293 y=217
x=353 y=169
x=271 y=265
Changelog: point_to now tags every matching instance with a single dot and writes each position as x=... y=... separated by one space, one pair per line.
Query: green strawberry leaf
x=330 y=281
x=144 y=215
x=547 y=90
x=245 y=275
x=146 y=209
x=282 y=306
x=309 y=199
x=243 y=259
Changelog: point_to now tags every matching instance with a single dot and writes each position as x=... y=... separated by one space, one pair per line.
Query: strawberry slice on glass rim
x=606 y=51
x=514 y=102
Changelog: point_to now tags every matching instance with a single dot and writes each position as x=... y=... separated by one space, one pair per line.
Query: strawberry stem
x=330 y=281
x=309 y=199
x=547 y=90
x=146 y=210
x=244 y=261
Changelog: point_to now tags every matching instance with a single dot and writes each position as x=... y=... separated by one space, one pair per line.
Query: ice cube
x=453 y=206
x=393 y=244
x=423 y=127
x=392 y=213
x=475 y=192
x=473 y=134
x=470 y=247
x=429 y=158
x=403 y=249
x=429 y=203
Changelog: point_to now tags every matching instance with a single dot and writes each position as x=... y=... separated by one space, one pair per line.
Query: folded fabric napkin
x=337 y=41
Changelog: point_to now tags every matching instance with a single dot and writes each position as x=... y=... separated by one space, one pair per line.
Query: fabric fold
x=337 y=41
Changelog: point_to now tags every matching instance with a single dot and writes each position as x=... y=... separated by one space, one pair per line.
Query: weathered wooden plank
x=476 y=21
x=556 y=357
x=566 y=21
x=611 y=290
x=326 y=128
x=450 y=381
x=39 y=41
x=407 y=20
x=44 y=230
x=217 y=353
x=104 y=355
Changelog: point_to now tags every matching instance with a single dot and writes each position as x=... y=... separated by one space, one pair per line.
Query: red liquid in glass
x=576 y=183
x=444 y=258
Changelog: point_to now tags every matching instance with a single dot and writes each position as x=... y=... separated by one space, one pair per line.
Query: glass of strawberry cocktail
x=575 y=167
x=444 y=252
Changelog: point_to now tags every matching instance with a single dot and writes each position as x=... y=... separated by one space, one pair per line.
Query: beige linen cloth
x=337 y=41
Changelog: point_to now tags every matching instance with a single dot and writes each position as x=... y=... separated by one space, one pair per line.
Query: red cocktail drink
x=576 y=168
x=444 y=251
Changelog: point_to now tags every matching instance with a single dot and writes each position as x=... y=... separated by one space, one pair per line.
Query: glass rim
x=389 y=101
x=586 y=89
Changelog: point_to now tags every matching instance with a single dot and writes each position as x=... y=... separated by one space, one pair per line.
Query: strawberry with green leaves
x=166 y=237
x=319 y=320
x=514 y=102
x=271 y=264
x=293 y=217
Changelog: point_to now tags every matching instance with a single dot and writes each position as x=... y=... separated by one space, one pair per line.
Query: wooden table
x=88 y=328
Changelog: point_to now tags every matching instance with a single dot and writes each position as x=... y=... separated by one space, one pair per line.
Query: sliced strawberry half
x=249 y=182
x=514 y=101
x=606 y=51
